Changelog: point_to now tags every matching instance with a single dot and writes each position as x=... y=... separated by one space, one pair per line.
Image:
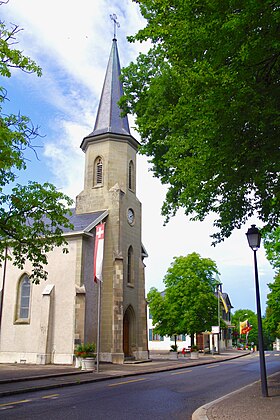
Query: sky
x=71 y=41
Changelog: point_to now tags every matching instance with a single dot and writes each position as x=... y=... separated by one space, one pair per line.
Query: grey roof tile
x=81 y=222
x=108 y=118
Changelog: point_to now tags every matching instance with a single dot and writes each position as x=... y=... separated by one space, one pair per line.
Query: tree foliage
x=206 y=100
x=188 y=304
x=272 y=247
x=32 y=217
x=273 y=308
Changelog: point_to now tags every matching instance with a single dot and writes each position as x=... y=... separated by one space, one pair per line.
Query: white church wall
x=62 y=274
x=91 y=289
x=50 y=321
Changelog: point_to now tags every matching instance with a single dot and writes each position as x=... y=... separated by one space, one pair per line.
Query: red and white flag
x=245 y=327
x=98 y=252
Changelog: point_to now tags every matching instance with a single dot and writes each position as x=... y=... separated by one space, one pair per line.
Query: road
x=165 y=395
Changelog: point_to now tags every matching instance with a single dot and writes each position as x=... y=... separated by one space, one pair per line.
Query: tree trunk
x=192 y=339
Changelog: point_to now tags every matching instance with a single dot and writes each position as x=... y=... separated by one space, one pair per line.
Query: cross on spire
x=116 y=23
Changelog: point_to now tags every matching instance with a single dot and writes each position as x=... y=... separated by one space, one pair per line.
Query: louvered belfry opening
x=99 y=171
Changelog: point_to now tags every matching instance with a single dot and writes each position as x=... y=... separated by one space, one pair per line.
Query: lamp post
x=218 y=285
x=254 y=240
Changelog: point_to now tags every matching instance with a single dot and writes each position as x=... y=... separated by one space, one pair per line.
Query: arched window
x=23 y=299
x=131 y=176
x=130 y=266
x=98 y=171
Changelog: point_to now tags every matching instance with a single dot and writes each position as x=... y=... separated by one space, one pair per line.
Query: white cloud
x=66 y=159
x=76 y=36
x=71 y=40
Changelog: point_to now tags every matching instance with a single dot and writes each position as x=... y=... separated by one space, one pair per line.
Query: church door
x=126 y=335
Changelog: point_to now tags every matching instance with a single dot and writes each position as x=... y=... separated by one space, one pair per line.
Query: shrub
x=85 y=350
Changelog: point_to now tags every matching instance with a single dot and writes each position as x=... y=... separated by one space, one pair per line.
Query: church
x=43 y=323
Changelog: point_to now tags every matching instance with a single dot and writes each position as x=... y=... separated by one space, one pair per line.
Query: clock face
x=130 y=216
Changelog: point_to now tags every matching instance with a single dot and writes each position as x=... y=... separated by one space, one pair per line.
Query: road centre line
x=127 y=382
x=211 y=367
x=181 y=373
x=14 y=402
x=232 y=362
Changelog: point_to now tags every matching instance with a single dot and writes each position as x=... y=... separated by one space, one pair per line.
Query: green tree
x=272 y=247
x=165 y=318
x=272 y=317
x=32 y=217
x=272 y=320
x=206 y=100
x=188 y=304
x=268 y=337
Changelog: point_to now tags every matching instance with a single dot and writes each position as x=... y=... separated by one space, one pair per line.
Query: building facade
x=43 y=323
x=158 y=343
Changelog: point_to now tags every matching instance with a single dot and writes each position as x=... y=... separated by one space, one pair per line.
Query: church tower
x=110 y=186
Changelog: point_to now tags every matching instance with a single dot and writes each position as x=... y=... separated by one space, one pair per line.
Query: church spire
x=108 y=118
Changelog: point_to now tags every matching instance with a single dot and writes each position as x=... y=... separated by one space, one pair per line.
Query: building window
x=98 y=172
x=131 y=176
x=23 y=299
x=155 y=337
x=130 y=266
x=180 y=337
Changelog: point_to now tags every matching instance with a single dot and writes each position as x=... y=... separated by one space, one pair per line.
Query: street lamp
x=254 y=240
x=218 y=284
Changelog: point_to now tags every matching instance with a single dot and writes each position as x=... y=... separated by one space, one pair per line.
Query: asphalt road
x=165 y=395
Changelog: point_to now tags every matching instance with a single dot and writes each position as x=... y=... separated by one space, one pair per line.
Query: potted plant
x=86 y=353
x=194 y=352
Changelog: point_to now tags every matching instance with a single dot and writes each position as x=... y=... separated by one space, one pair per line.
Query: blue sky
x=71 y=41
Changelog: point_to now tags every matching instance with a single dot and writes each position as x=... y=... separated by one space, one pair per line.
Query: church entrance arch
x=129 y=342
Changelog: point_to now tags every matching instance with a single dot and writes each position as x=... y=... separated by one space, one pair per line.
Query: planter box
x=194 y=355
x=88 y=363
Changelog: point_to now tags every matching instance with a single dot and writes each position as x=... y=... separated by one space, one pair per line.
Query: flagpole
x=98 y=326
x=97 y=276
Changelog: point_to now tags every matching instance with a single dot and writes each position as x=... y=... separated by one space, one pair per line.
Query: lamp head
x=254 y=237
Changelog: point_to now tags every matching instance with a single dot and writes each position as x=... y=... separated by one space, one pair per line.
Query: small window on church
x=131 y=176
x=23 y=299
x=130 y=266
x=98 y=172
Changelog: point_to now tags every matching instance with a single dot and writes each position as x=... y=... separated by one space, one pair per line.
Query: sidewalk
x=16 y=378
x=22 y=378
x=246 y=404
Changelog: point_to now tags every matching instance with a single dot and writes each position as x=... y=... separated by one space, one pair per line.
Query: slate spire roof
x=108 y=118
